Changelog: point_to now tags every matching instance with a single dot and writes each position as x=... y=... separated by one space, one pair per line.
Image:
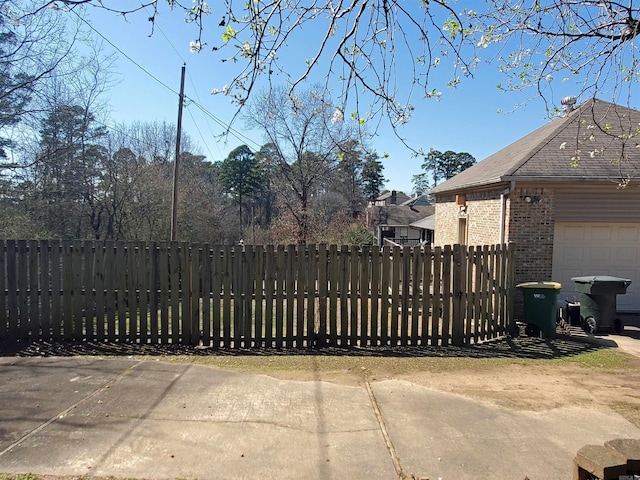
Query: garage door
x=598 y=249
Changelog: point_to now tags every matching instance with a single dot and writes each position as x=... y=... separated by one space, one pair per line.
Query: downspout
x=503 y=208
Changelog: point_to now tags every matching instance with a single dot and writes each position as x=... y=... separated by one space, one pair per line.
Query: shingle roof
x=427 y=223
x=398 y=215
x=420 y=200
x=594 y=129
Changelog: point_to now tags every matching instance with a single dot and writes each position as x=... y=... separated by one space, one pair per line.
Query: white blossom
x=246 y=50
x=563 y=145
x=484 y=41
x=195 y=46
x=338 y=116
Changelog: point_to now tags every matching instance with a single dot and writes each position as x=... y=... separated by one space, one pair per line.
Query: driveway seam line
x=383 y=428
x=102 y=387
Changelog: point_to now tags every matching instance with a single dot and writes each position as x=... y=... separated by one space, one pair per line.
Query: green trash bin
x=540 y=307
x=597 y=297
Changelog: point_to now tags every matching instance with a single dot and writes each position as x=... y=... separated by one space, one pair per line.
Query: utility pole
x=174 y=203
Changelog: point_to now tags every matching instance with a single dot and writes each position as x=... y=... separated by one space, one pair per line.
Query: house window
x=462 y=230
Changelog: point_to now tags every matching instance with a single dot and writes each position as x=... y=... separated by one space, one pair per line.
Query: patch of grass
x=356 y=365
x=308 y=366
x=19 y=476
x=604 y=359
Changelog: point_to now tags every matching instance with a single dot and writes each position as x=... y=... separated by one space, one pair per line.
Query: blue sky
x=465 y=119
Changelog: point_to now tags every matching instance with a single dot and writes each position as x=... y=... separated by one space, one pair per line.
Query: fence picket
x=384 y=295
x=164 y=291
x=23 y=299
x=290 y=294
x=131 y=291
x=396 y=272
x=342 y=286
x=12 y=287
x=375 y=296
x=281 y=265
x=312 y=290
x=88 y=312
x=354 y=270
x=174 y=286
x=333 y=279
x=469 y=331
x=436 y=304
x=227 y=262
x=364 y=294
x=447 y=283
x=405 y=300
x=248 y=263
x=145 y=257
x=416 y=283
x=301 y=270
x=195 y=283
x=259 y=255
x=427 y=299
x=4 y=318
x=458 y=294
x=35 y=319
x=45 y=290
x=269 y=276
x=216 y=292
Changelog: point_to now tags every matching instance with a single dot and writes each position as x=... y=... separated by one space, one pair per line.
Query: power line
x=125 y=55
x=240 y=136
x=226 y=127
x=179 y=55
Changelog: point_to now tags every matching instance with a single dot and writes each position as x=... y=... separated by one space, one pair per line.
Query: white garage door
x=598 y=249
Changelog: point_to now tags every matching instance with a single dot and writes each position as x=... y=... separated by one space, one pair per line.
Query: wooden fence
x=253 y=296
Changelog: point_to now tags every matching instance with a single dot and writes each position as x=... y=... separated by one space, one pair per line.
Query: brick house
x=562 y=195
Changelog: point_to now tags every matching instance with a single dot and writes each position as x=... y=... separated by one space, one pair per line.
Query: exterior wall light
x=531 y=198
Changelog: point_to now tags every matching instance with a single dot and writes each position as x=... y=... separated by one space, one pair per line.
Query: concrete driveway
x=133 y=418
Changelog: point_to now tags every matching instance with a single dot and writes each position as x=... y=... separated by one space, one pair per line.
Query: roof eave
x=521 y=179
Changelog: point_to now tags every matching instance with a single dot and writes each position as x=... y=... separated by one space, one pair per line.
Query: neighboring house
x=394 y=223
x=567 y=216
x=418 y=201
x=391 y=198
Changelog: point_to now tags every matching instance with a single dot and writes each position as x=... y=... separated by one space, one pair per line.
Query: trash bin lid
x=549 y=285
x=593 y=279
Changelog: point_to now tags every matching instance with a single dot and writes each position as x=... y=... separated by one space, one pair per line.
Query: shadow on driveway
x=520 y=347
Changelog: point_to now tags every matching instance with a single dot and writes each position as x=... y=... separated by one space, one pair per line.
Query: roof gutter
x=503 y=209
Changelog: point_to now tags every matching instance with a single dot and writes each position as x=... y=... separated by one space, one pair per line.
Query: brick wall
x=446 y=229
x=482 y=211
x=531 y=227
x=530 y=224
x=483 y=218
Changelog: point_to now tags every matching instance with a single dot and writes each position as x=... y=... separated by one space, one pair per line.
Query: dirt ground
x=529 y=385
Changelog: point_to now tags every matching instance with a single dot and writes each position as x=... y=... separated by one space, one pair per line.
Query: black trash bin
x=597 y=297
x=540 y=307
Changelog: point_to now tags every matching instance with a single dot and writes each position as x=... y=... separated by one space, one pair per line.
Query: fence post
x=459 y=294
x=510 y=288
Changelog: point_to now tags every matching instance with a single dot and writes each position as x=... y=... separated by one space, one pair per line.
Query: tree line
x=84 y=180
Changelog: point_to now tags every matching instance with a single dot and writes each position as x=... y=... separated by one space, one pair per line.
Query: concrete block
x=629 y=448
x=605 y=463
